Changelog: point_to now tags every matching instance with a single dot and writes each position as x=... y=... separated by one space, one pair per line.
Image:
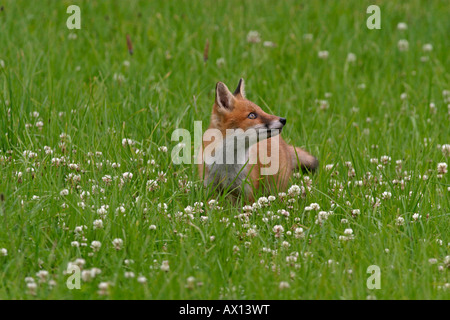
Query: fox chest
x=227 y=174
x=228 y=168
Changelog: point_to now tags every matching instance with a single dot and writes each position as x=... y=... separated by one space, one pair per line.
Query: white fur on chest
x=228 y=174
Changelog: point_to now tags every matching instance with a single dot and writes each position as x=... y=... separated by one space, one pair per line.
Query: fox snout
x=277 y=124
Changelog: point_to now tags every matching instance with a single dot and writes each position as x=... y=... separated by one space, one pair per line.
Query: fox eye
x=251 y=115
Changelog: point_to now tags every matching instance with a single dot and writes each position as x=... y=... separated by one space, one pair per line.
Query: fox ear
x=240 y=90
x=224 y=98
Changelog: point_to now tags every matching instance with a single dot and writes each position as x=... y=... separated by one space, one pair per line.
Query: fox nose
x=283 y=121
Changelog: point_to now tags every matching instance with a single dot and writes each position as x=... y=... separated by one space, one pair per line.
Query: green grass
x=167 y=85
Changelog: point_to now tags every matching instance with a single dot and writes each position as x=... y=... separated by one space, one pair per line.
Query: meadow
x=86 y=176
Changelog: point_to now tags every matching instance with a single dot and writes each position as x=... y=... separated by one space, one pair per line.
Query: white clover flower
x=120 y=209
x=386 y=195
x=263 y=202
x=442 y=167
x=447 y=261
x=98 y=224
x=400 y=221
x=285 y=244
x=269 y=44
x=30 y=154
x=48 y=150
x=323 y=104
x=283 y=212
x=402 y=26
x=152 y=227
x=32 y=286
x=323 y=54
x=142 y=279
x=212 y=203
x=348 y=232
x=294 y=191
x=96 y=245
x=3 y=252
x=78 y=229
x=102 y=211
x=165 y=266
x=103 y=288
x=163 y=149
x=162 y=207
x=64 y=192
x=446 y=150
x=251 y=232
x=86 y=275
x=115 y=165
x=29 y=280
x=117 y=243
x=189 y=210
x=73 y=166
x=220 y=62
x=284 y=285
x=75 y=244
x=118 y=77
x=253 y=37
x=351 y=57
x=80 y=262
x=403 y=45
x=315 y=206
x=127 y=142
x=299 y=233
x=72 y=36
x=427 y=47
x=385 y=159
x=321 y=217
x=278 y=229
x=152 y=185
x=127 y=176
x=42 y=275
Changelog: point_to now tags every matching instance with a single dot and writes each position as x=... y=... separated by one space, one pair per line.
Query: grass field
x=373 y=108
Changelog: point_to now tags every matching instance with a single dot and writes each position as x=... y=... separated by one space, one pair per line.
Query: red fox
x=234 y=118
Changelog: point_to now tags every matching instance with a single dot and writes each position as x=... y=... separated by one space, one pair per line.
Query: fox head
x=234 y=111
